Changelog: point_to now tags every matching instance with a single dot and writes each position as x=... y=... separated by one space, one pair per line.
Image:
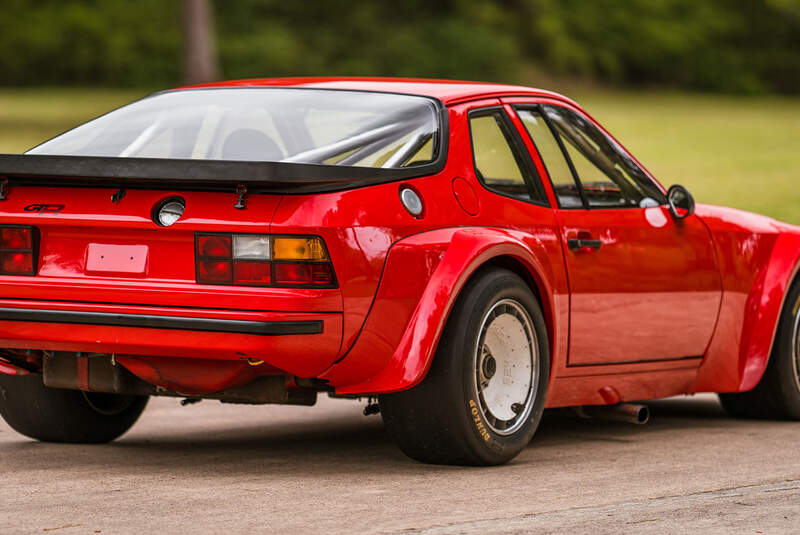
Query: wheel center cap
x=489 y=367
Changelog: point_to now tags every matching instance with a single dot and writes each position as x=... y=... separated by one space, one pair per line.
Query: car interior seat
x=250 y=144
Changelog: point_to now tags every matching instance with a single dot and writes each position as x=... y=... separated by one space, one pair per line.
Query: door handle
x=576 y=244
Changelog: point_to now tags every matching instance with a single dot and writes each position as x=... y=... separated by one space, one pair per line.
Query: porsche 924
x=467 y=254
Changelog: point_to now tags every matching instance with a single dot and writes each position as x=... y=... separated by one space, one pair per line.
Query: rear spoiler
x=214 y=175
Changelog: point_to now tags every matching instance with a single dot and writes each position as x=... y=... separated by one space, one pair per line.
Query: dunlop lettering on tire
x=476 y=417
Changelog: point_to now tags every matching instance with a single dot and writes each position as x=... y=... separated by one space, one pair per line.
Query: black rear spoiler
x=215 y=175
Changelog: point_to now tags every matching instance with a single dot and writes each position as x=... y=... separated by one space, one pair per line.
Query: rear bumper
x=264 y=328
x=299 y=343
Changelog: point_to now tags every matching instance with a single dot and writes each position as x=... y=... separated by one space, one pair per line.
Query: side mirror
x=681 y=202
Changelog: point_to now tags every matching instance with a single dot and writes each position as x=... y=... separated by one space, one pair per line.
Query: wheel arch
x=738 y=366
x=384 y=359
x=533 y=279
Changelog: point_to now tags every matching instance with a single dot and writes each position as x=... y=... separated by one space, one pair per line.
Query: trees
x=715 y=45
x=199 y=46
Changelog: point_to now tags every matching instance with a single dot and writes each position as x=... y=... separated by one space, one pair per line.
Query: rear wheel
x=482 y=399
x=58 y=415
x=777 y=395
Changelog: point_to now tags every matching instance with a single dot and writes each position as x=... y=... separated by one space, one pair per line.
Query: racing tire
x=777 y=394
x=483 y=397
x=58 y=415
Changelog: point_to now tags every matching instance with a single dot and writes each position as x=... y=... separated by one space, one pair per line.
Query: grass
x=742 y=152
x=30 y=116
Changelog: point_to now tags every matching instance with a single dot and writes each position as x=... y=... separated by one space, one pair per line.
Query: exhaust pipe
x=621 y=412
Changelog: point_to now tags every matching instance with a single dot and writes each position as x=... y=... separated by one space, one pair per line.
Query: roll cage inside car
x=296 y=125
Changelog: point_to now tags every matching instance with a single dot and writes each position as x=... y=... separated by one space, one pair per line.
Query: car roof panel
x=447 y=91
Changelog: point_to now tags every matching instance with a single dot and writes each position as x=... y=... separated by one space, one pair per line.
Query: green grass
x=735 y=151
x=30 y=116
x=740 y=152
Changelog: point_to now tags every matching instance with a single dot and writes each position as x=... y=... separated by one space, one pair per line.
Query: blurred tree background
x=732 y=46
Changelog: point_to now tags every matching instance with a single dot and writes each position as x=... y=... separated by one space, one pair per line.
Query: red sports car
x=469 y=254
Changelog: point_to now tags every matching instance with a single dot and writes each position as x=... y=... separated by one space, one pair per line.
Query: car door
x=643 y=286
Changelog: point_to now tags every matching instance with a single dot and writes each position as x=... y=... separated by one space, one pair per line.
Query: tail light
x=17 y=250
x=263 y=260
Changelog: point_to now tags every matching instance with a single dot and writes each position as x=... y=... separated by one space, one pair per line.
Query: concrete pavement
x=213 y=468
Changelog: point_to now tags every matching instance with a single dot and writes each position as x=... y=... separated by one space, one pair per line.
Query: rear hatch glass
x=292 y=125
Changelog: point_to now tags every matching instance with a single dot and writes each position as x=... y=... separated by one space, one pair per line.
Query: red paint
x=466 y=196
x=648 y=293
x=610 y=395
x=662 y=308
x=191 y=377
x=758 y=257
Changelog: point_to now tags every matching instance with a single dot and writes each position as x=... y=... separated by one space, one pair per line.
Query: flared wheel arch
x=531 y=277
x=466 y=253
x=532 y=280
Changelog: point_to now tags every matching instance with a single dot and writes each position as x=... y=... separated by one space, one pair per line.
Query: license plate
x=106 y=259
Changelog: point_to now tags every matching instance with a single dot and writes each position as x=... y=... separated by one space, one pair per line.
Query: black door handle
x=578 y=244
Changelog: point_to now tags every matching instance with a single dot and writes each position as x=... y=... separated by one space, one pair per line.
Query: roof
x=448 y=91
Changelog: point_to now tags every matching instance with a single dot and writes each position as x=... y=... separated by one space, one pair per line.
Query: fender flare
x=423 y=277
x=729 y=371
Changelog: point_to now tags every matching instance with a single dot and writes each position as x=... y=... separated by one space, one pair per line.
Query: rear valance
x=172 y=174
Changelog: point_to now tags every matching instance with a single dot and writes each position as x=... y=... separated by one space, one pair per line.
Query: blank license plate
x=106 y=259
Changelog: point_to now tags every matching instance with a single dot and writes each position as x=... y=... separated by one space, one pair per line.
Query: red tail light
x=214 y=271
x=296 y=273
x=16 y=237
x=249 y=272
x=214 y=246
x=262 y=260
x=17 y=250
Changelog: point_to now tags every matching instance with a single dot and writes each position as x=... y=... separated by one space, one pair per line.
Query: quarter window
x=610 y=178
x=497 y=165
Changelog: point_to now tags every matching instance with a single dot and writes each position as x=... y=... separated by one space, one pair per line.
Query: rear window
x=317 y=126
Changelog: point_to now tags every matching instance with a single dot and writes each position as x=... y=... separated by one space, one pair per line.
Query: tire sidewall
x=483 y=441
x=61 y=415
x=784 y=355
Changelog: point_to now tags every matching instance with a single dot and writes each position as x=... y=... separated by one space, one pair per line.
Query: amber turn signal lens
x=311 y=248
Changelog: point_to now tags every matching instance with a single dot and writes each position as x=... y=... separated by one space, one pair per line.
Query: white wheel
x=506 y=366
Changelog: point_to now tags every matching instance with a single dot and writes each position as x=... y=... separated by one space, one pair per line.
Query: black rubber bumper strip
x=264 y=328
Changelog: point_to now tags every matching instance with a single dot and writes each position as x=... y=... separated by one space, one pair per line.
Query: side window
x=610 y=178
x=497 y=165
x=546 y=144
